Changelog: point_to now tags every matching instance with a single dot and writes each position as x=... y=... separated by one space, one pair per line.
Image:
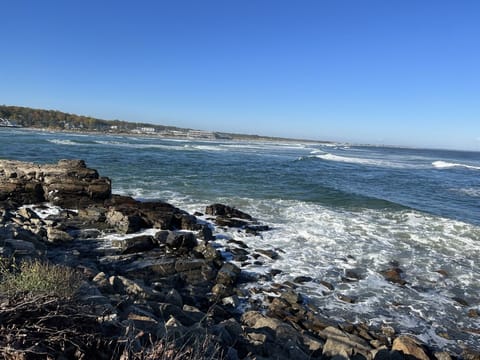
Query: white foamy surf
x=449 y=165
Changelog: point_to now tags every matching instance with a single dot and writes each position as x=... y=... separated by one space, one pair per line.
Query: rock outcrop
x=169 y=284
x=69 y=183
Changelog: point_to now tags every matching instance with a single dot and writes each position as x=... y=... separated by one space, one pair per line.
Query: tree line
x=54 y=119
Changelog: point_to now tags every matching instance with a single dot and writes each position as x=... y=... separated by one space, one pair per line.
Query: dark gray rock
x=226 y=212
x=137 y=244
x=228 y=274
x=178 y=240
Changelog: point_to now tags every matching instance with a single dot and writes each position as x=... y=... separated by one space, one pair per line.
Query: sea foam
x=448 y=165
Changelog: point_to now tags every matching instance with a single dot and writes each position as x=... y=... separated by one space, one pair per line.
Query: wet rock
x=410 y=347
x=292 y=297
x=272 y=254
x=442 y=272
x=394 y=275
x=238 y=243
x=231 y=222
x=302 y=279
x=352 y=275
x=208 y=252
x=473 y=313
x=346 y=299
x=275 y=272
x=226 y=211
x=182 y=239
x=326 y=284
x=228 y=274
x=206 y=233
x=460 y=301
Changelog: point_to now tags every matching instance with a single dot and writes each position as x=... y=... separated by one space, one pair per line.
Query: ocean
x=334 y=210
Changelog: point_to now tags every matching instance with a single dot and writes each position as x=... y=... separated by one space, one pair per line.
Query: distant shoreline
x=235 y=137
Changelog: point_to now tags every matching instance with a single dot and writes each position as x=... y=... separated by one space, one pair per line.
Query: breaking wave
x=449 y=165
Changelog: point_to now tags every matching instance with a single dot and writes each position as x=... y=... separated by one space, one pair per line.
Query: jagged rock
x=272 y=254
x=56 y=235
x=339 y=343
x=68 y=183
x=232 y=301
x=126 y=219
x=93 y=214
x=136 y=244
x=182 y=239
x=27 y=213
x=291 y=297
x=469 y=354
x=161 y=236
x=226 y=211
x=182 y=265
x=103 y=284
x=126 y=286
x=221 y=291
x=230 y=222
x=166 y=311
x=151 y=269
x=228 y=274
x=206 y=233
x=442 y=355
x=174 y=297
x=208 y=252
x=410 y=347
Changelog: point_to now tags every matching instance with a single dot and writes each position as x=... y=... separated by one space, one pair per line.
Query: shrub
x=38 y=278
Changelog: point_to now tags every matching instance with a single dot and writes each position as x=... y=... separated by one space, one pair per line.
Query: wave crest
x=448 y=165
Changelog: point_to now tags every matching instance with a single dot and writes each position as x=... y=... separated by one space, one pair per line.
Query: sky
x=397 y=72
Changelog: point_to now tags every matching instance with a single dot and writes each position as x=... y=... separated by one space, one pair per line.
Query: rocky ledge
x=164 y=279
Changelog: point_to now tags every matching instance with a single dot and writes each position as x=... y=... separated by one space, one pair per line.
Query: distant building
x=8 y=123
x=144 y=130
x=198 y=134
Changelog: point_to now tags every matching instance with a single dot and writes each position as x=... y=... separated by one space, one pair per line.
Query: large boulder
x=69 y=183
x=410 y=347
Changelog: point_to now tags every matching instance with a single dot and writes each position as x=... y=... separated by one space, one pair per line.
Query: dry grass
x=38 y=278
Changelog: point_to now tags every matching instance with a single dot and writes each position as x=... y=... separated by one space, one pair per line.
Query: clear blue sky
x=401 y=72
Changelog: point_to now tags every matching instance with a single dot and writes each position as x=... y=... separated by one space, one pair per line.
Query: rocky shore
x=163 y=287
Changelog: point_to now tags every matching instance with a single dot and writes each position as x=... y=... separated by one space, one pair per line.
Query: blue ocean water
x=333 y=208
